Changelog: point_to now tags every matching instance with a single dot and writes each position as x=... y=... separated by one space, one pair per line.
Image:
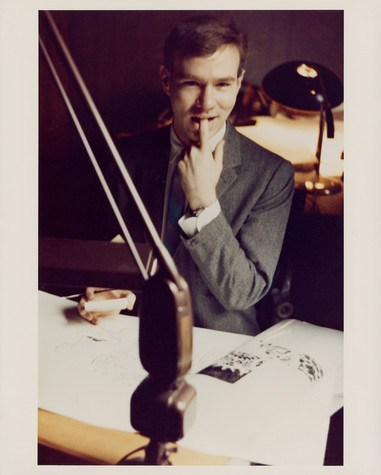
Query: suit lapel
x=232 y=160
x=154 y=176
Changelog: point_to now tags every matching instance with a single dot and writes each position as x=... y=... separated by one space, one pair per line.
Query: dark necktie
x=176 y=205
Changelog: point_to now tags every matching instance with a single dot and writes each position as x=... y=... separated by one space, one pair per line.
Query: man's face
x=202 y=87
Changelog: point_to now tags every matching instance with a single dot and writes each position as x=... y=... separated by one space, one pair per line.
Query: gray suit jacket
x=229 y=264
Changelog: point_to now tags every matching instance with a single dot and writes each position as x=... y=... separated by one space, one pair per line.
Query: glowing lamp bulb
x=306 y=71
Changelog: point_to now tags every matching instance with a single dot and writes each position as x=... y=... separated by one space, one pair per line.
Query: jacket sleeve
x=237 y=262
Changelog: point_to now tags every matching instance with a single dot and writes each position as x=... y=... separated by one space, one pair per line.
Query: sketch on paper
x=120 y=366
x=310 y=368
x=96 y=334
x=276 y=352
x=112 y=354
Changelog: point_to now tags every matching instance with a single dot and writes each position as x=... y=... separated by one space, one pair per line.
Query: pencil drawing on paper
x=119 y=366
x=111 y=354
x=90 y=335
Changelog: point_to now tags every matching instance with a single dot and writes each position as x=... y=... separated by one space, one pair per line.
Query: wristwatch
x=196 y=213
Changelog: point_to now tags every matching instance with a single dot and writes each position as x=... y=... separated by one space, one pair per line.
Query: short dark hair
x=202 y=36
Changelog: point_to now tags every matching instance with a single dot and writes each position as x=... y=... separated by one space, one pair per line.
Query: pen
x=105 y=305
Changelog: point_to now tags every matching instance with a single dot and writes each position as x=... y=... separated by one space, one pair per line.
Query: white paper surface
x=276 y=413
x=89 y=372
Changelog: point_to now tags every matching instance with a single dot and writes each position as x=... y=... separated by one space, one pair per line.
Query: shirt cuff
x=192 y=225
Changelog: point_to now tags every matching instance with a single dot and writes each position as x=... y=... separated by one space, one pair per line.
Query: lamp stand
x=321 y=185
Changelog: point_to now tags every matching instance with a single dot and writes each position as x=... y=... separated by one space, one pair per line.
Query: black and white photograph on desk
x=188 y=239
x=237 y=364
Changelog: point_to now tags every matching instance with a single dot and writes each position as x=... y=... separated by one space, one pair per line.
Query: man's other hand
x=94 y=294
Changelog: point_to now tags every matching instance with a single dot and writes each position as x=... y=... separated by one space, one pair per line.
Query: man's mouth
x=198 y=119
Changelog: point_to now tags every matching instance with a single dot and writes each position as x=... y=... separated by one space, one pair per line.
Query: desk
x=83 y=367
x=73 y=443
x=100 y=446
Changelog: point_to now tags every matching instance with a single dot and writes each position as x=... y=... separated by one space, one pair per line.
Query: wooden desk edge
x=101 y=446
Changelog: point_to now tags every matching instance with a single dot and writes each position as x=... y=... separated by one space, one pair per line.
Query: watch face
x=198 y=211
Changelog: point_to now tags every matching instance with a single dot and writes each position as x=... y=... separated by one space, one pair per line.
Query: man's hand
x=200 y=170
x=93 y=295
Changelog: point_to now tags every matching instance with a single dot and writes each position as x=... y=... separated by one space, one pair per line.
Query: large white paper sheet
x=89 y=372
x=276 y=412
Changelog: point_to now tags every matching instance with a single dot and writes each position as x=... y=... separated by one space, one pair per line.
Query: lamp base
x=321 y=186
x=156 y=453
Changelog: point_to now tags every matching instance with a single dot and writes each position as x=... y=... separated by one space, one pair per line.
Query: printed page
x=270 y=400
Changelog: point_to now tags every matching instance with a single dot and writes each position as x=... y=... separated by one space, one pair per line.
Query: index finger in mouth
x=204 y=132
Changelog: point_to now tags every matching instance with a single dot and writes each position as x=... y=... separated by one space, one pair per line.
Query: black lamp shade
x=287 y=87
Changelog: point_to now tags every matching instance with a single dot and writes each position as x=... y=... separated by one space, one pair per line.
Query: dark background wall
x=119 y=54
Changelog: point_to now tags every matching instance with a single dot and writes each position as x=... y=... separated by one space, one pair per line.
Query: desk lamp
x=303 y=87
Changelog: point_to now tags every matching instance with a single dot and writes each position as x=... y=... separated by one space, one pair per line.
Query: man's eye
x=223 y=84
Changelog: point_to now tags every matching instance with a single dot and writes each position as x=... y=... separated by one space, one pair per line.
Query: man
x=238 y=194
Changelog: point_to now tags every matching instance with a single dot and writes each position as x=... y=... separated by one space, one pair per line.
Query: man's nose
x=206 y=98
